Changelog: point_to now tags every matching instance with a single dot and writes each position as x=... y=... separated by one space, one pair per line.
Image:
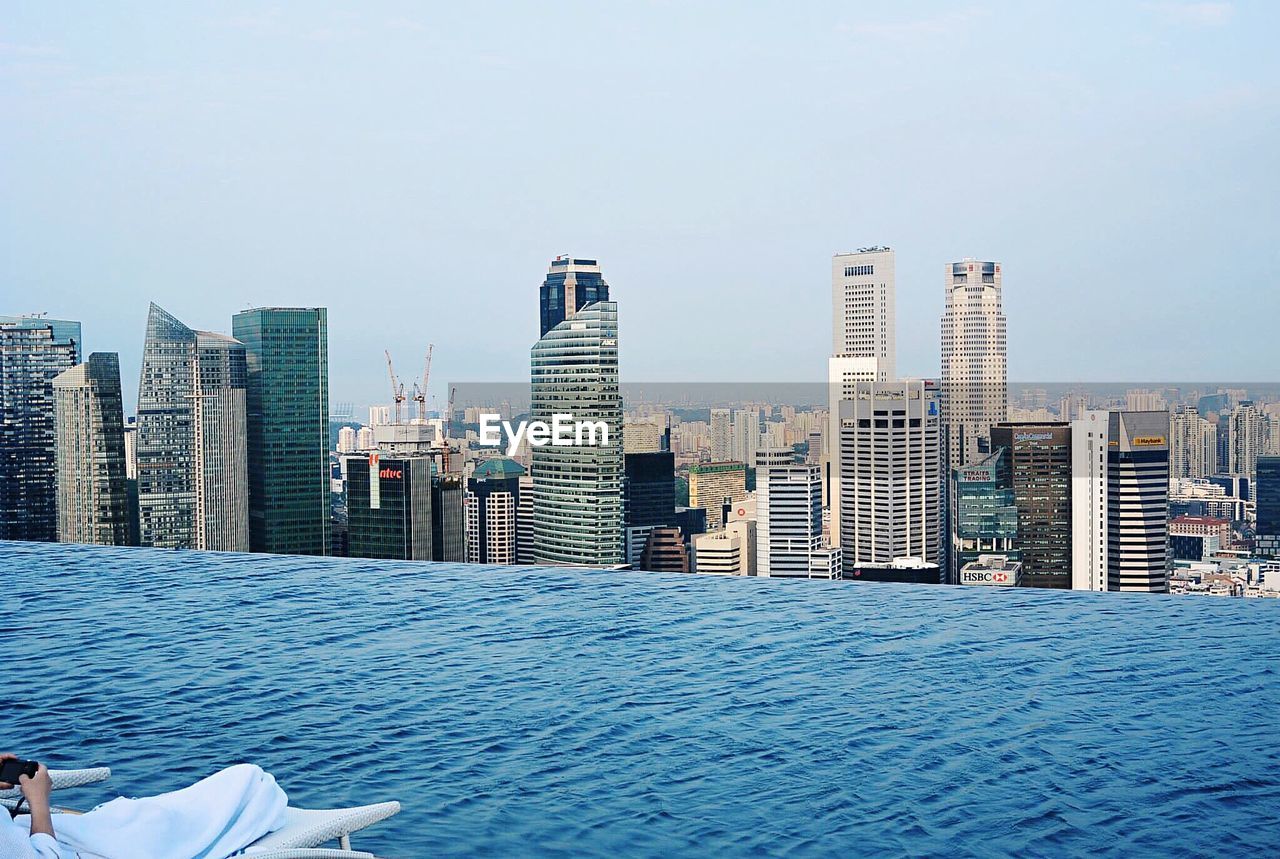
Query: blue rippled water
x=584 y=713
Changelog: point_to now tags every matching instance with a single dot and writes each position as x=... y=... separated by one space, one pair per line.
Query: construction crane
x=397 y=387
x=420 y=394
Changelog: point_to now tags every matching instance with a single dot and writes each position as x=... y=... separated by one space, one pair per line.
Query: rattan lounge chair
x=300 y=838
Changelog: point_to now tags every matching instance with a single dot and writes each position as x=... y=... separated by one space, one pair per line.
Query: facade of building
x=649 y=499
x=1193 y=444
x=570 y=285
x=33 y=351
x=1196 y=538
x=1040 y=467
x=665 y=551
x=192 y=439
x=577 y=504
x=999 y=571
x=524 y=523
x=728 y=552
x=1249 y=436
x=93 y=497
x=890 y=473
x=389 y=507
x=491 y=506
x=1267 y=492
x=448 y=516
x=287 y=356
x=863 y=308
x=975 y=387
x=984 y=512
x=721 y=435
x=713 y=485
x=1120 y=501
x=789 y=519
x=746 y=434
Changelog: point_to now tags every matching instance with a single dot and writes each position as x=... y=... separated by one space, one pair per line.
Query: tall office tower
x=492 y=501
x=975 y=384
x=448 y=517
x=93 y=499
x=1041 y=474
x=524 y=522
x=389 y=506
x=192 y=428
x=1193 y=444
x=891 y=473
x=984 y=512
x=1267 y=493
x=32 y=352
x=577 y=509
x=649 y=498
x=789 y=519
x=287 y=350
x=131 y=448
x=1120 y=501
x=729 y=552
x=713 y=486
x=746 y=434
x=1249 y=438
x=571 y=285
x=721 y=435
x=862 y=308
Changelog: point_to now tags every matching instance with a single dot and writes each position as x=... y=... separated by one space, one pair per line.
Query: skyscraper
x=649 y=498
x=890 y=473
x=1267 y=491
x=1040 y=465
x=577 y=505
x=32 y=352
x=862 y=308
x=389 y=506
x=1120 y=501
x=984 y=511
x=287 y=354
x=571 y=285
x=746 y=434
x=192 y=429
x=1193 y=444
x=1250 y=436
x=721 y=435
x=93 y=501
x=789 y=519
x=975 y=387
x=492 y=502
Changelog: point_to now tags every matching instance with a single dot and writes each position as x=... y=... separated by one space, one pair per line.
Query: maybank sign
x=1148 y=441
x=563 y=431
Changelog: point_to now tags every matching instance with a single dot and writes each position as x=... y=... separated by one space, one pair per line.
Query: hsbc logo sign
x=986 y=577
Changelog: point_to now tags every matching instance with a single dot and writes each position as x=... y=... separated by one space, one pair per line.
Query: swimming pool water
x=591 y=713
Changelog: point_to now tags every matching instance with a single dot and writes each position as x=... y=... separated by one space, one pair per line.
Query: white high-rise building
x=1250 y=438
x=789 y=519
x=365 y=439
x=1193 y=444
x=975 y=381
x=347 y=440
x=862 y=308
x=721 y=435
x=746 y=434
x=1140 y=400
x=731 y=552
x=890 y=473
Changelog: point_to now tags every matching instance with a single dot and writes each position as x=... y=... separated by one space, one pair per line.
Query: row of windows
x=859 y=270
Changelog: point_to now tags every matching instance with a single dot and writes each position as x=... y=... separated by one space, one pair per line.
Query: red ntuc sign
x=390 y=474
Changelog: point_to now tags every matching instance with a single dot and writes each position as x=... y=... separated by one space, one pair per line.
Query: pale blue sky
x=414 y=167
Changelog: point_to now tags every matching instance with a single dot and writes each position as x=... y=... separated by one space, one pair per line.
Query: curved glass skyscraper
x=577 y=488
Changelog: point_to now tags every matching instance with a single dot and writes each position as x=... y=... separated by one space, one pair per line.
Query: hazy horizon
x=415 y=170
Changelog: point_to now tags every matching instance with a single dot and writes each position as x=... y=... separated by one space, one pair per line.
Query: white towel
x=212 y=819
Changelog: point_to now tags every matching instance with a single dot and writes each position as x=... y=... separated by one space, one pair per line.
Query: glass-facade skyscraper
x=287 y=353
x=1267 y=492
x=571 y=285
x=577 y=504
x=32 y=352
x=191 y=448
x=93 y=497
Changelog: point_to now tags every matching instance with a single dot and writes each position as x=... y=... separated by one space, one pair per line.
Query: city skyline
x=1161 y=171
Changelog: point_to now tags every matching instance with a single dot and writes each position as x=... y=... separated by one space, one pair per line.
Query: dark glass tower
x=1267 y=492
x=1039 y=456
x=32 y=352
x=389 y=507
x=288 y=420
x=571 y=285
